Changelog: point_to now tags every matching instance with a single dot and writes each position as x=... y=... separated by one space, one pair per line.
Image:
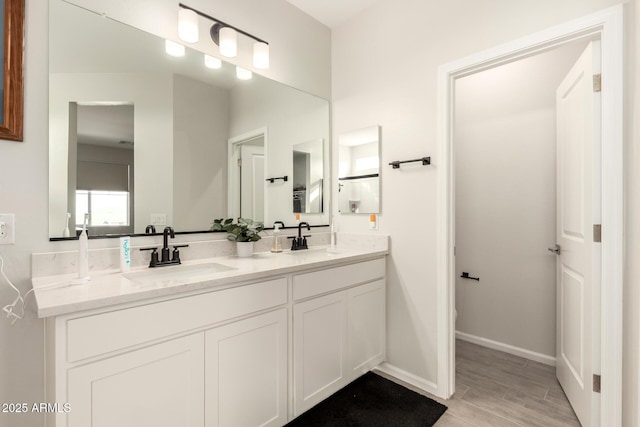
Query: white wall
x=505 y=166
x=24 y=173
x=392 y=81
x=201 y=130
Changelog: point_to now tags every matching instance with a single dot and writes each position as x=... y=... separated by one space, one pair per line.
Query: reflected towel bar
x=284 y=178
x=425 y=161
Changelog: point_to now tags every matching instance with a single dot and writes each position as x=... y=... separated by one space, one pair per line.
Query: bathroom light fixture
x=226 y=37
x=260 y=55
x=227 y=40
x=174 y=49
x=243 y=74
x=188 y=26
x=212 y=62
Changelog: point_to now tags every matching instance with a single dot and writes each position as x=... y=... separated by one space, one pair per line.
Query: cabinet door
x=319 y=349
x=161 y=386
x=246 y=372
x=366 y=313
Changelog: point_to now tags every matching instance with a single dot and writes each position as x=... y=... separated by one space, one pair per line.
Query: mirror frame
x=12 y=124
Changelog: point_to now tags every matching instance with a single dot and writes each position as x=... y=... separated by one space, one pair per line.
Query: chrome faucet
x=300 y=242
x=165 y=260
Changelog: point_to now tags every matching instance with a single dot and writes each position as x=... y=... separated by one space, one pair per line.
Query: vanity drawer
x=332 y=279
x=101 y=333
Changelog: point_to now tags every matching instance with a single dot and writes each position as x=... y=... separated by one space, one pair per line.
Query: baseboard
x=408 y=378
x=516 y=351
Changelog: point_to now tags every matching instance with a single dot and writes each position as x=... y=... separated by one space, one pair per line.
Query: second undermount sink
x=178 y=272
x=313 y=253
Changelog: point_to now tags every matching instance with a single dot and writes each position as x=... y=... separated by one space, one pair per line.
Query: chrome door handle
x=556 y=250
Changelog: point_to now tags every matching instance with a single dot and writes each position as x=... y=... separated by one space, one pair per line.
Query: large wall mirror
x=359 y=171
x=138 y=137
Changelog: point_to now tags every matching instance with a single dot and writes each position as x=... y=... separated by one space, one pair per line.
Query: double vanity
x=221 y=341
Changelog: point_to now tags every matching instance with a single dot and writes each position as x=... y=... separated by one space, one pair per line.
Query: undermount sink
x=313 y=253
x=178 y=272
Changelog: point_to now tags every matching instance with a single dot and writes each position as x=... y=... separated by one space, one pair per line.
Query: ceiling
x=332 y=12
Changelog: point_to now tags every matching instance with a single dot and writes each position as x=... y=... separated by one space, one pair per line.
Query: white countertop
x=55 y=295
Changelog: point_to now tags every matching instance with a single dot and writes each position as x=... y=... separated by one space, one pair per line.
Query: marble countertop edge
x=56 y=296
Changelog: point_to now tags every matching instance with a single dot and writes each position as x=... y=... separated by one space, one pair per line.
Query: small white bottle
x=83 y=255
x=277 y=247
x=125 y=254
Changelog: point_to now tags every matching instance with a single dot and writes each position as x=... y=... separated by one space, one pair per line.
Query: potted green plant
x=244 y=233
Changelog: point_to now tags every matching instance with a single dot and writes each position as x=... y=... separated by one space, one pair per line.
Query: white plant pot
x=244 y=249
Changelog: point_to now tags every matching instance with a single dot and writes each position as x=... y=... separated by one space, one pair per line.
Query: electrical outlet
x=158 y=219
x=7 y=229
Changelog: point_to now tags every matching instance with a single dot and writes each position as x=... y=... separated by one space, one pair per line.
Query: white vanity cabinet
x=250 y=354
x=338 y=328
x=179 y=362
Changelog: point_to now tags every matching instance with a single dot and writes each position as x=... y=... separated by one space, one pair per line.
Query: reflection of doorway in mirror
x=252 y=180
x=101 y=181
x=247 y=162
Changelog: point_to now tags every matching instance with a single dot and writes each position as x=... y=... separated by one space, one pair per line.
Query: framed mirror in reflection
x=359 y=171
x=176 y=163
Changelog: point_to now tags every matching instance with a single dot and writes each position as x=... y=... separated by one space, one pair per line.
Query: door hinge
x=240 y=162
x=597 y=233
x=596 y=383
x=597 y=82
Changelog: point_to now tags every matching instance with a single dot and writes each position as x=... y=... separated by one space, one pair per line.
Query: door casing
x=607 y=25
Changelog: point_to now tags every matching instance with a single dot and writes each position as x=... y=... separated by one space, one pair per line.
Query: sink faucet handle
x=175 y=257
x=154 y=255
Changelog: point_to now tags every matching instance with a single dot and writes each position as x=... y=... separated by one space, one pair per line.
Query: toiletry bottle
x=297 y=218
x=276 y=239
x=65 y=231
x=83 y=255
x=125 y=254
x=373 y=223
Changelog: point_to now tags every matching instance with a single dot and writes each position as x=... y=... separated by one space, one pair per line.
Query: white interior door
x=252 y=182
x=577 y=210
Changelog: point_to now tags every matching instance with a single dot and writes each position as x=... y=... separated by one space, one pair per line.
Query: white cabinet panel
x=246 y=372
x=366 y=313
x=334 y=279
x=160 y=386
x=93 y=335
x=319 y=349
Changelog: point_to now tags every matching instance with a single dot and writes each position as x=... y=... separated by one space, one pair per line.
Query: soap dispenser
x=277 y=247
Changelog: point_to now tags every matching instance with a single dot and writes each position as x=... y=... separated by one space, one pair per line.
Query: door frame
x=233 y=179
x=607 y=25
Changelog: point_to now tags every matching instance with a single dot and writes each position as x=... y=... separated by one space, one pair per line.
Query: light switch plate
x=158 y=219
x=7 y=229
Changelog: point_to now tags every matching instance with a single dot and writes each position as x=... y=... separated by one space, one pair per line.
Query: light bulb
x=188 y=26
x=174 y=49
x=212 y=62
x=243 y=74
x=260 y=55
x=228 y=42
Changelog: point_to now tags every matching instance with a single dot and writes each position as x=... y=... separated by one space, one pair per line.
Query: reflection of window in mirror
x=102 y=181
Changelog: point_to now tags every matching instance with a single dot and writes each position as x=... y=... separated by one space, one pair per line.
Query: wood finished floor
x=496 y=389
